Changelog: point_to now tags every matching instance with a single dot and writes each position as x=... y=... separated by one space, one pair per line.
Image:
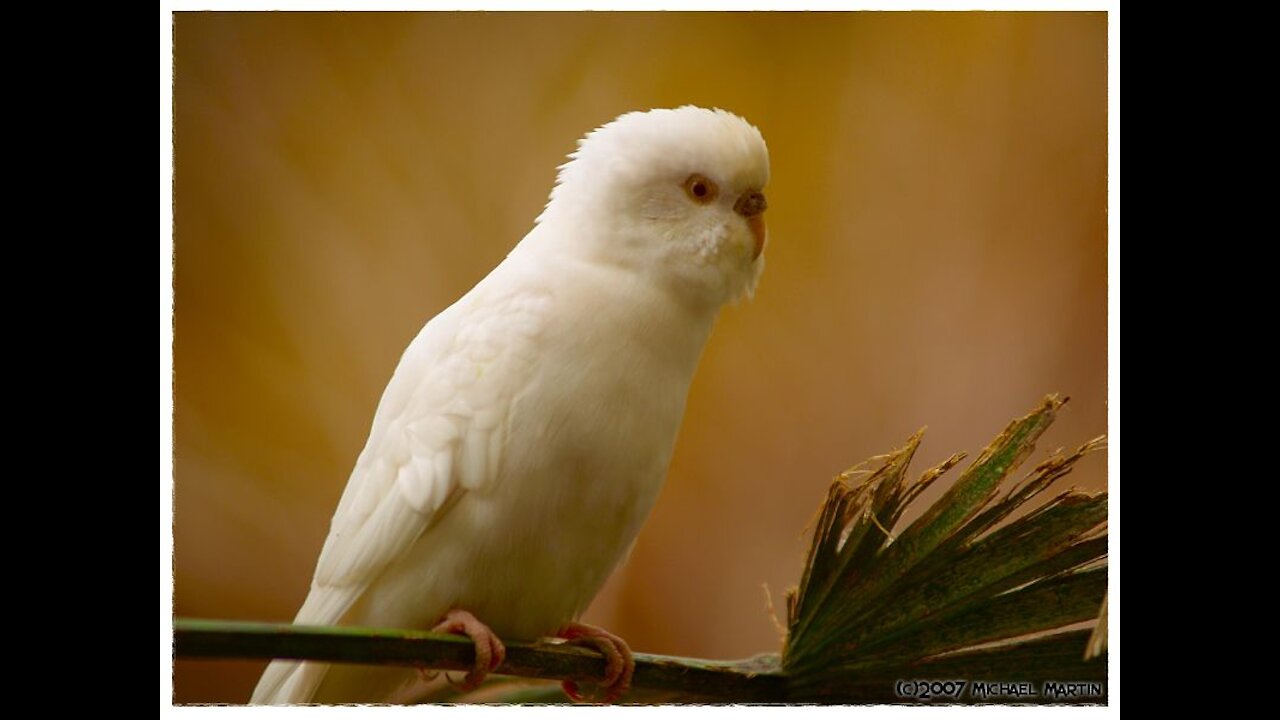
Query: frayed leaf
x=875 y=602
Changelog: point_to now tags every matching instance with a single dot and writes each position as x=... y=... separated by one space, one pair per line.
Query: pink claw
x=490 y=652
x=620 y=665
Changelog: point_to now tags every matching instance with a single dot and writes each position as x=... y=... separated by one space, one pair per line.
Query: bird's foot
x=619 y=663
x=490 y=652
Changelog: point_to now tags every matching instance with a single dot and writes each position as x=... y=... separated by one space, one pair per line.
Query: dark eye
x=700 y=189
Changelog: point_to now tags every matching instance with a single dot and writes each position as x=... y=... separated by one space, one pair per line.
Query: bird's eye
x=700 y=189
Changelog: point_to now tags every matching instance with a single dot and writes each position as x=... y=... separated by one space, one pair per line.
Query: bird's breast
x=587 y=446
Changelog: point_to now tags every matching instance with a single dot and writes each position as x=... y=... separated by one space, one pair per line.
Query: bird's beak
x=752 y=206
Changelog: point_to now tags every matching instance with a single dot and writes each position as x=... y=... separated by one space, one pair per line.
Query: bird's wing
x=439 y=431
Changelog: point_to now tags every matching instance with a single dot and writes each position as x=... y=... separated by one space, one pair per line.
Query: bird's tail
x=288 y=682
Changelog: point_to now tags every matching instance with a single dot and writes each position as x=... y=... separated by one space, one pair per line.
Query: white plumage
x=526 y=432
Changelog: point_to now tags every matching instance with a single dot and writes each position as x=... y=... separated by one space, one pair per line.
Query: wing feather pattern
x=439 y=430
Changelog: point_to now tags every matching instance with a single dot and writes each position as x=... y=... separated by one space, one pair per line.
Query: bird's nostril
x=751 y=203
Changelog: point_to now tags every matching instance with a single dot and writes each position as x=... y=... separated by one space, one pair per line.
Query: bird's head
x=675 y=195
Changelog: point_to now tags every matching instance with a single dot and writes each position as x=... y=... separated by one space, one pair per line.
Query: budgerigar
x=525 y=434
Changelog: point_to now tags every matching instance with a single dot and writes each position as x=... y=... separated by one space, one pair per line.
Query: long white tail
x=288 y=682
x=291 y=682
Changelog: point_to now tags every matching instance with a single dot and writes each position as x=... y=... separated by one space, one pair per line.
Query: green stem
x=755 y=679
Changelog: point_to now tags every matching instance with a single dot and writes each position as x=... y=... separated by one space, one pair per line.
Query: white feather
x=526 y=431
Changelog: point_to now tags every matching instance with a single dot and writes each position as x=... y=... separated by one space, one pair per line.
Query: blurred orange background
x=937 y=255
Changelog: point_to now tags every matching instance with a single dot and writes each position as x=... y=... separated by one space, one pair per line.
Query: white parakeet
x=525 y=434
